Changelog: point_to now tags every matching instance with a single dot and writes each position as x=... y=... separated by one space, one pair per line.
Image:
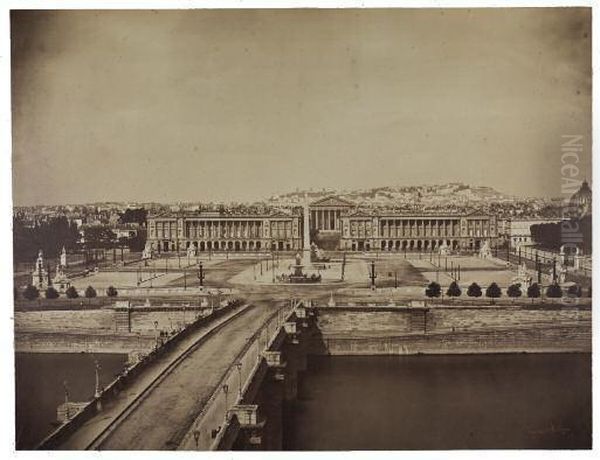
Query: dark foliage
x=31 y=292
x=433 y=290
x=474 y=290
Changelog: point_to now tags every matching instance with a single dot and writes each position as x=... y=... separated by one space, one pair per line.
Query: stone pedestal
x=39 y=275
x=66 y=411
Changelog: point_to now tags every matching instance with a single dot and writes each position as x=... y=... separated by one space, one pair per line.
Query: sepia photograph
x=301 y=229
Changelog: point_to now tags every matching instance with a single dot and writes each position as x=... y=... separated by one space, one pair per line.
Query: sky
x=237 y=105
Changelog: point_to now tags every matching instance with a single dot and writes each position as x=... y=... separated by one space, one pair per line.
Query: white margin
x=7 y=423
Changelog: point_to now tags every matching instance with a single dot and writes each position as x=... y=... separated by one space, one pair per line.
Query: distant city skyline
x=323 y=191
x=238 y=105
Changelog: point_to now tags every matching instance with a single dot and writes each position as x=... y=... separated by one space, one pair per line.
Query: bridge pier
x=251 y=426
x=270 y=394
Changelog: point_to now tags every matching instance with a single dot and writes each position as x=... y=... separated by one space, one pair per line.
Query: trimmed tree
x=111 y=291
x=514 y=291
x=31 y=292
x=474 y=290
x=453 y=290
x=90 y=292
x=72 y=292
x=554 y=291
x=52 y=293
x=433 y=290
x=493 y=291
x=574 y=290
x=533 y=291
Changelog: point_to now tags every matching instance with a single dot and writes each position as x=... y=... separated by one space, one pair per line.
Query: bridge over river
x=156 y=409
x=228 y=382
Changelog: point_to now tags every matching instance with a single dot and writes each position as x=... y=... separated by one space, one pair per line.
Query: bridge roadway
x=156 y=416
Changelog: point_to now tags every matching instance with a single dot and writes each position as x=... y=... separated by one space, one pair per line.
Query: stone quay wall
x=42 y=342
x=450 y=329
x=107 y=330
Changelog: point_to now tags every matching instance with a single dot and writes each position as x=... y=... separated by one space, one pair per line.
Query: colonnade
x=223 y=229
x=325 y=219
x=391 y=228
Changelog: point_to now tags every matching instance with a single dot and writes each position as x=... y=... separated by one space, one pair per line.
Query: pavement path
x=165 y=414
x=180 y=395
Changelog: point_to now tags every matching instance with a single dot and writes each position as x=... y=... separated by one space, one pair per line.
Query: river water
x=376 y=402
x=540 y=401
x=39 y=387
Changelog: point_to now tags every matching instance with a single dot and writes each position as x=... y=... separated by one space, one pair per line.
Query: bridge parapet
x=89 y=409
x=273 y=358
x=261 y=353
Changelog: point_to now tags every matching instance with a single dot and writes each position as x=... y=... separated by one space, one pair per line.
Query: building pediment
x=332 y=202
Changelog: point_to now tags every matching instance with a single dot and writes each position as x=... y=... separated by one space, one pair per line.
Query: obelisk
x=306 y=234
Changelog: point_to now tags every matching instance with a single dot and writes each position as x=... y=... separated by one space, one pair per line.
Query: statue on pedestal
x=191 y=250
x=316 y=254
x=561 y=272
x=63 y=258
x=61 y=281
x=485 y=252
x=444 y=249
x=39 y=275
x=148 y=251
x=522 y=277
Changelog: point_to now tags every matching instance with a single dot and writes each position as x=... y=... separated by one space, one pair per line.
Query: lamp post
x=273 y=265
x=97 y=372
x=225 y=388
x=155 y=334
x=238 y=365
x=373 y=275
x=201 y=274
x=67 y=405
x=66 y=391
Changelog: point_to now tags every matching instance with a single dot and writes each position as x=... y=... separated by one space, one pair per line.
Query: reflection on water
x=39 y=388
x=443 y=402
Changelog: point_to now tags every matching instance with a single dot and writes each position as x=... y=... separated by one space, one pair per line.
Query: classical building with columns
x=213 y=231
x=335 y=224
x=419 y=232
